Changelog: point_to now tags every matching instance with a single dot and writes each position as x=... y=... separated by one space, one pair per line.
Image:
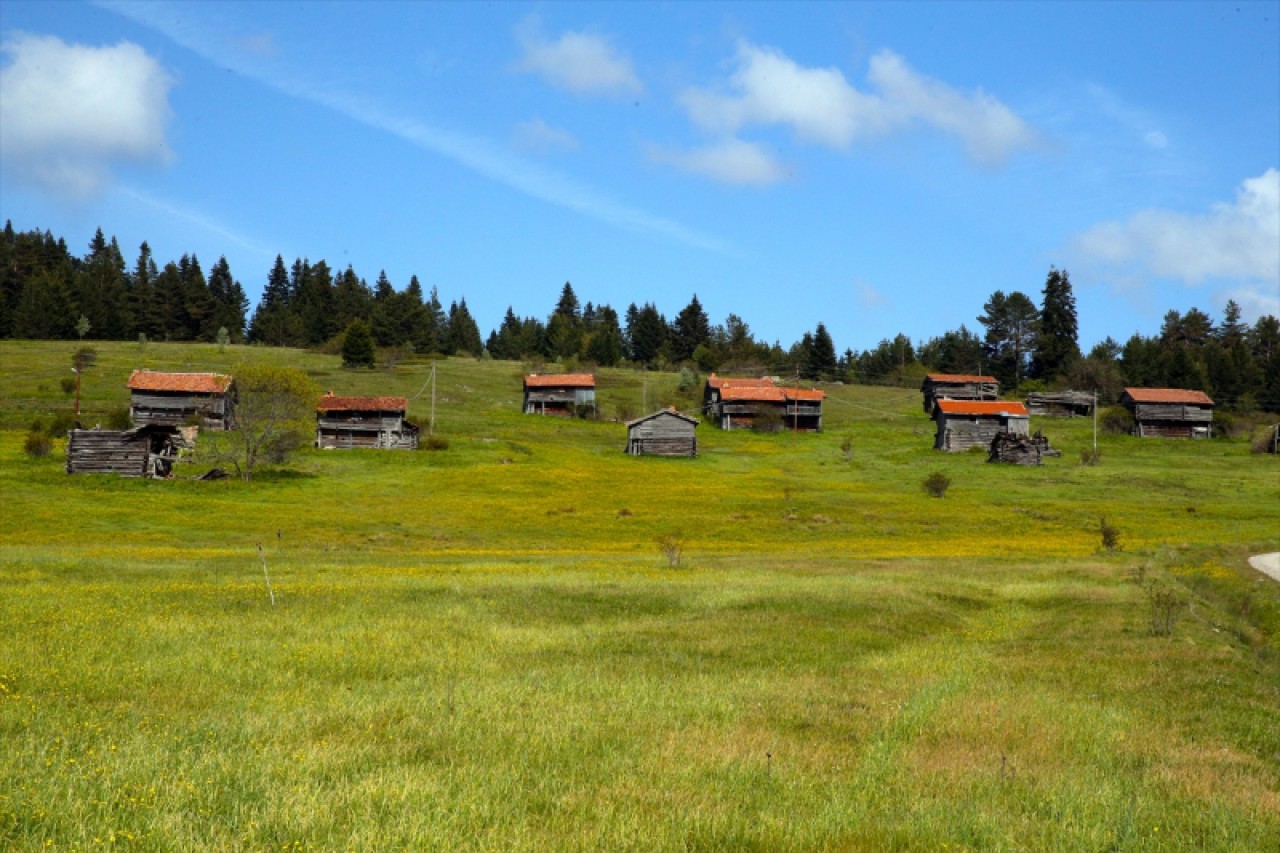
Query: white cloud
x=868 y=297
x=1239 y=241
x=580 y=62
x=821 y=106
x=730 y=161
x=69 y=113
x=538 y=137
x=1255 y=301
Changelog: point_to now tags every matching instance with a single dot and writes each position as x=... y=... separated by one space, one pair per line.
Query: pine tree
x=820 y=362
x=357 y=345
x=1011 y=332
x=647 y=333
x=464 y=335
x=1056 y=346
x=270 y=323
x=690 y=330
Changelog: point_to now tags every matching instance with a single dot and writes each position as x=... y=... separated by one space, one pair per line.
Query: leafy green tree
x=1056 y=344
x=357 y=345
x=274 y=408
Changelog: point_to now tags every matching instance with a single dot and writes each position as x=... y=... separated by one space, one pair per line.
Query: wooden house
x=963 y=424
x=711 y=391
x=742 y=404
x=174 y=399
x=958 y=386
x=143 y=451
x=562 y=394
x=1060 y=404
x=663 y=433
x=346 y=422
x=1169 y=412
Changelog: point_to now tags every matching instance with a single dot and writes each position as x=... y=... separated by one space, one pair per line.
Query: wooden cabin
x=711 y=391
x=1060 y=404
x=743 y=404
x=1169 y=412
x=561 y=394
x=958 y=386
x=346 y=422
x=143 y=451
x=174 y=399
x=963 y=424
x=663 y=433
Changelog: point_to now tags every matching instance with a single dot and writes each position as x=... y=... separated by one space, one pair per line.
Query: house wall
x=158 y=407
x=346 y=430
x=557 y=401
x=958 y=433
x=662 y=436
x=1171 y=420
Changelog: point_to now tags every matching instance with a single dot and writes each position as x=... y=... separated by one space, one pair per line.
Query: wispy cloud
x=768 y=88
x=582 y=63
x=730 y=161
x=71 y=113
x=199 y=220
x=478 y=154
x=538 y=137
x=868 y=297
x=1237 y=241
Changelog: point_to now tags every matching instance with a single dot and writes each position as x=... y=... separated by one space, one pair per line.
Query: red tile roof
x=959 y=377
x=1168 y=395
x=804 y=394
x=985 y=407
x=330 y=403
x=714 y=381
x=560 y=380
x=752 y=393
x=199 y=383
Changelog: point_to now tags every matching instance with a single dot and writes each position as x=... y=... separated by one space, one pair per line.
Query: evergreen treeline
x=47 y=292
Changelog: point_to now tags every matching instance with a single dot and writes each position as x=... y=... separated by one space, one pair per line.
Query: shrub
x=37 y=445
x=84 y=357
x=1110 y=534
x=936 y=484
x=671 y=546
x=766 y=419
x=1165 y=604
x=1091 y=457
x=585 y=411
x=1116 y=420
x=688 y=379
x=434 y=442
x=60 y=424
x=846 y=448
x=118 y=418
x=68 y=384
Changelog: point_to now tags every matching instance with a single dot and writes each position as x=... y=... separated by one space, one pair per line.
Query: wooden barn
x=379 y=422
x=663 y=433
x=741 y=403
x=1060 y=404
x=143 y=451
x=560 y=394
x=174 y=399
x=963 y=424
x=1169 y=412
x=958 y=386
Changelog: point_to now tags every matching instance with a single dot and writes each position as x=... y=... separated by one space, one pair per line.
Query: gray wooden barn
x=174 y=399
x=143 y=451
x=1169 y=412
x=378 y=422
x=559 y=393
x=958 y=386
x=663 y=433
x=963 y=424
x=1060 y=404
x=743 y=403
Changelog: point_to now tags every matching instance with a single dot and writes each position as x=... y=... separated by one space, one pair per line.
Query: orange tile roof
x=330 y=403
x=560 y=380
x=959 y=377
x=199 y=383
x=804 y=394
x=752 y=393
x=985 y=407
x=714 y=381
x=1168 y=395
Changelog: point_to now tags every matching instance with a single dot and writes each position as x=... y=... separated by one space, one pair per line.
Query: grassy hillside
x=484 y=647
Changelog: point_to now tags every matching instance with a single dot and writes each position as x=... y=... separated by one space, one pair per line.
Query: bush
x=119 y=418
x=766 y=419
x=279 y=447
x=60 y=424
x=1110 y=534
x=1116 y=420
x=585 y=411
x=936 y=484
x=688 y=379
x=68 y=384
x=671 y=545
x=434 y=442
x=37 y=445
x=1091 y=457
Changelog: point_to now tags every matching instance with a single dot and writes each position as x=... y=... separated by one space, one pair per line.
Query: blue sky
x=881 y=168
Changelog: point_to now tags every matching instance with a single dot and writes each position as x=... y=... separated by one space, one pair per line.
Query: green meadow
x=484 y=647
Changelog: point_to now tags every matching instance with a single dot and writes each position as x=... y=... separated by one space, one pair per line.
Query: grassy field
x=484 y=648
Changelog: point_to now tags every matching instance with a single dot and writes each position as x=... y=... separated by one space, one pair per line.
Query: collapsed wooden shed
x=174 y=399
x=663 y=433
x=562 y=394
x=1169 y=412
x=958 y=386
x=378 y=422
x=963 y=424
x=1015 y=449
x=143 y=451
x=1060 y=404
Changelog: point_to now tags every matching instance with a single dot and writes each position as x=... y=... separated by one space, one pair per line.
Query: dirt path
x=1268 y=564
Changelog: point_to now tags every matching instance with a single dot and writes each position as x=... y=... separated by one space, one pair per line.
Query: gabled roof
x=560 y=380
x=804 y=394
x=667 y=412
x=959 y=378
x=330 y=403
x=199 y=383
x=752 y=393
x=983 y=408
x=1168 y=395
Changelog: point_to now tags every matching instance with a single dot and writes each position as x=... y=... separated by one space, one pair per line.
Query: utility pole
x=1095 y=421
x=431 y=425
